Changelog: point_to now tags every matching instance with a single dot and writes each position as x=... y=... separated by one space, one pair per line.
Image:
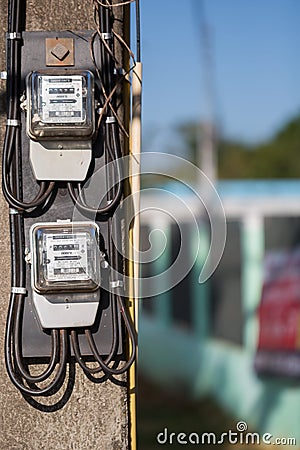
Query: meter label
x=66 y=257
x=61 y=99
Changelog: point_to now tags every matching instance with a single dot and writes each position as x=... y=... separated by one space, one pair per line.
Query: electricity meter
x=65 y=258
x=60 y=123
x=65 y=273
x=60 y=105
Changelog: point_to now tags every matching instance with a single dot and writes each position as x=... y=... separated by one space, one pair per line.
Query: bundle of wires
x=52 y=377
x=106 y=73
x=12 y=189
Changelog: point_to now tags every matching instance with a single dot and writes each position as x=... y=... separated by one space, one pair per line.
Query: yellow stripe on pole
x=134 y=232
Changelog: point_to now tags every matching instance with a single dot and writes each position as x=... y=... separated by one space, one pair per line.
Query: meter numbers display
x=66 y=256
x=61 y=99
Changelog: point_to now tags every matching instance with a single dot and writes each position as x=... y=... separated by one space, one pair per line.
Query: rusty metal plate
x=60 y=52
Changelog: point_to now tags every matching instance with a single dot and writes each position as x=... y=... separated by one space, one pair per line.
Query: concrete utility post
x=207 y=151
x=94 y=415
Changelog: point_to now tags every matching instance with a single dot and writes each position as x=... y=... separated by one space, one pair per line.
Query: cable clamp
x=106 y=36
x=110 y=119
x=27 y=255
x=13 y=123
x=116 y=284
x=18 y=290
x=119 y=71
x=13 y=36
x=3 y=75
x=14 y=211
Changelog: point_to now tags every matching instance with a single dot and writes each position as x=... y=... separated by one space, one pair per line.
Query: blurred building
x=202 y=338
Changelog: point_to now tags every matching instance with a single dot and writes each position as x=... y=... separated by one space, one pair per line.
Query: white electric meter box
x=60 y=105
x=65 y=273
x=60 y=123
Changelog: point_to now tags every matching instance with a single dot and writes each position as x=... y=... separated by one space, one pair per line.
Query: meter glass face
x=60 y=105
x=65 y=258
x=60 y=99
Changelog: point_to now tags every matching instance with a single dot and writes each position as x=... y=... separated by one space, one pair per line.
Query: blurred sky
x=255 y=48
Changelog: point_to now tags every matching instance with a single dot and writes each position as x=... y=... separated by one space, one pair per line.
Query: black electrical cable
x=18 y=353
x=113 y=203
x=113 y=154
x=12 y=367
x=138 y=30
x=78 y=355
x=115 y=333
x=9 y=149
x=13 y=354
x=108 y=62
x=78 y=200
x=13 y=113
x=41 y=197
x=103 y=363
x=131 y=333
x=114 y=260
x=12 y=189
x=112 y=353
x=13 y=357
x=104 y=20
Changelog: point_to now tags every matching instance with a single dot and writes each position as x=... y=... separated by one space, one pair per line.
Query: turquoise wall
x=176 y=357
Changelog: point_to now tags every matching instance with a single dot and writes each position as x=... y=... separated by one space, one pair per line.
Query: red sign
x=279 y=311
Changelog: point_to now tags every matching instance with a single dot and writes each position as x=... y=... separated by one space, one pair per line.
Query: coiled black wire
x=114 y=202
x=12 y=189
x=17 y=372
x=13 y=353
x=104 y=363
x=113 y=155
x=117 y=302
x=112 y=144
x=12 y=133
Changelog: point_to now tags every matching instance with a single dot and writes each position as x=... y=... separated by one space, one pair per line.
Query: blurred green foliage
x=277 y=158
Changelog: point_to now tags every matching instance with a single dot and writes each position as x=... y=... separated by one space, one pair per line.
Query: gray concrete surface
x=95 y=416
